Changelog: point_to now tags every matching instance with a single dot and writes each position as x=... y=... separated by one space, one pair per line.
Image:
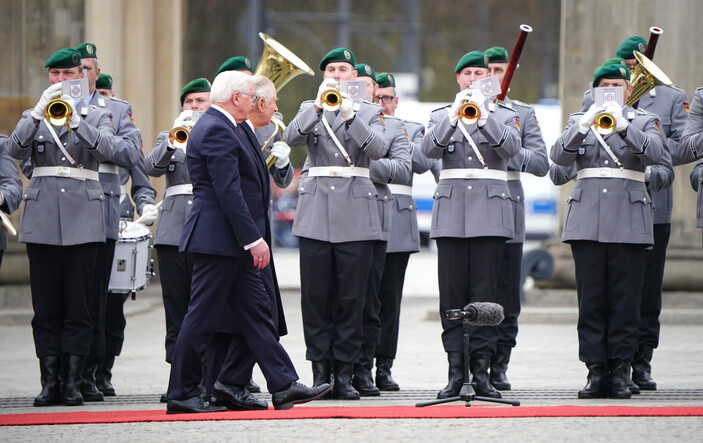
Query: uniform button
x=451 y=138
x=605 y=191
x=63 y=159
x=190 y=202
x=332 y=188
x=502 y=194
x=24 y=196
x=173 y=156
x=469 y=187
x=41 y=137
x=518 y=198
x=645 y=199
x=112 y=192
x=336 y=154
x=369 y=194
x=471 y=158
x=63 y=190
x=385 y=197
x=605 y=162
x=411 y=206
x=302 y=189
x=64 y=143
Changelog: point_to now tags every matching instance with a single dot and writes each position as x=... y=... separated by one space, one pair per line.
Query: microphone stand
x=467 y=393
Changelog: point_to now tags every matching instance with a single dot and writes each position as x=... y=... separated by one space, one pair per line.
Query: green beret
x=87 y=50
x=610 y=71
x=615 y=61
x=385 y=80
x=497 y=54
x=338 y=55
x=238 y=63
x=64 y=58
x=197 y=85
x=365 y=70
x=634 y=43
x=104 y=82
x=472 y=59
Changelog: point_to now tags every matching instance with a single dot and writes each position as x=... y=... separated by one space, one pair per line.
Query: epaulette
x=699 y=89
x=120 y=100
x=443 y=107
x=641 y=111
x=522 y=104
x=577 y=113
x=507 y=106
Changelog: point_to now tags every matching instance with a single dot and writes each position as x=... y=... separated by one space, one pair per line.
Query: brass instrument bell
x=469 y=113
x=331 y=100
x=178 y=136
x=604 y=123
x=58 y=112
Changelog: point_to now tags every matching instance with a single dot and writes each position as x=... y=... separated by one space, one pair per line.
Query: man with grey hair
x=226 y=231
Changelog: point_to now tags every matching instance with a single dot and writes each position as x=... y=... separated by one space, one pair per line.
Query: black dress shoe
x=193 y=405
x=298 y=393
x=163 y=399
x=237 y=398
x=253 y=387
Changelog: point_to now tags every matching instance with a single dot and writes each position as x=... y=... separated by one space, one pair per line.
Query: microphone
x=479 y=314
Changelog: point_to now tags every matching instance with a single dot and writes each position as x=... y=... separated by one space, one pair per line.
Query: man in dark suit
x=226 y=233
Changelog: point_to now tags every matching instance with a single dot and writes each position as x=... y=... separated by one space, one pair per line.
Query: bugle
x=331 y=99
x=178 y=136
x=513 y=63
x=469 y=113
x=58 y=112
x=604 y=123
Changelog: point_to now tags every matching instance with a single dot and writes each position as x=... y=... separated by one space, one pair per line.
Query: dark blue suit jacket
x=230 y=187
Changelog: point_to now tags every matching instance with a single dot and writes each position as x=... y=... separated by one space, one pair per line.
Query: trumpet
x=331 y=99
x=469 y=113
x=58 y=112
x=178 y=136
x=605 y=123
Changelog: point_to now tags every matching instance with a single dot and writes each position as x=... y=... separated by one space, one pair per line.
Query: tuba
x=279 y=65
x=645 y=77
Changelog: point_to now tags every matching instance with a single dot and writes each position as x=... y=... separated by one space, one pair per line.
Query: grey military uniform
x=468 y=208
x=696 y=179
x=669 y=105
x=129 y=139
x=394 y=167
x=336 y=209
x=610 y=210
x=10 y=186
x=692 y=138
x=174 y=209
x=532 y=158
x=61 y=210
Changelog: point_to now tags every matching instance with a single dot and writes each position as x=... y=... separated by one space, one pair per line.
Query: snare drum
x=131 y=265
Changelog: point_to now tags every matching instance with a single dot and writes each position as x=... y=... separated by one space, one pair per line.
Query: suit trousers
x=467 y=271
x=508 y=293
x=224 y=291
x=372 y=304
x=175 y=273
x=654 y=260
x=98 y=299
x=390 y=296
x=609 y=280
x=115 y=323
x=333 y=281
x=61 y=278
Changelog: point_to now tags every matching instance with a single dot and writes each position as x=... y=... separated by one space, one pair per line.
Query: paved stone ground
x=544 y=371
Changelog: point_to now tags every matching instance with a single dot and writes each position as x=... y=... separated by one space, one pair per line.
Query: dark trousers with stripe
x=372 y=305
x=654 y=260
x=390 y=296
x=98 y=299
x=508 y=293
x=176 y=272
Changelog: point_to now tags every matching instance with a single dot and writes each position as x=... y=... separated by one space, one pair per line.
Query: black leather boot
x=384 y=381
x=499 y=366
x=456 y=375
x=320 y=373
x=49 y=367
x=88 y=389
x=481 y=382
x=642 y=369
x=103 y=376
x=617 y=380
x=630 y=384
x=343 y=389
x=596 y=384
x=72 y=370
x=362 y=380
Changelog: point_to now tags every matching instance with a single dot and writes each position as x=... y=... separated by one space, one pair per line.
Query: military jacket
x=696 y=178
x=337 y=209
x=467 y=208
x=62 y=210
x=610 y=210
x=692 y=138
x=10 y=186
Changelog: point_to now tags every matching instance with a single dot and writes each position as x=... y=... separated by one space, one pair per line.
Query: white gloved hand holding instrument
x=281 y=151
x=49 y=94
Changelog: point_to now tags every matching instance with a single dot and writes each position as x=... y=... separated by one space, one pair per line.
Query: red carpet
x=443 y=411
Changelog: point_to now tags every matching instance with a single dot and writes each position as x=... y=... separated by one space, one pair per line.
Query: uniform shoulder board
x=119 y=100
x=577 y=113
x=442 y=107
x=641 y=111
x=503 y=105
x=521 y=104
x=699 y=89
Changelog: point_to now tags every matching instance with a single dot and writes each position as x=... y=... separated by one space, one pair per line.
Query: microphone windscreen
x=486 y=314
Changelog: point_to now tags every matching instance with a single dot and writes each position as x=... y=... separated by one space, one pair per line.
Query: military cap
x=615 y=61
x=365 y=70
x=634 y=43
x=238 y=63
x=385 y=80
x=338 y=55
x=197 y=85
x=87 y=50
x=64 y=58
x=610 y=71
x=497 y=54
x=472 y=59
x=104 y=82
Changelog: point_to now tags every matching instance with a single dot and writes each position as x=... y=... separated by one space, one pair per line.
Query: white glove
x=460 y=98
x=185 y=118
x=149 y=214
x=479 y=100
x=281 y=151
x=50 y=93
x=75 y=116
x=2 y=198
x=586 y=120
x=346 y=110
x=328 y=83
x=621 y=123
x=647 y=173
